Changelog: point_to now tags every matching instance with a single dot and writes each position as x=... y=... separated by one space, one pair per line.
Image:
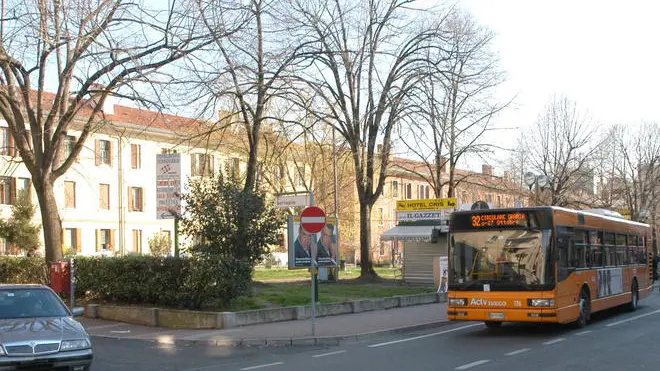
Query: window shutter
x=193 y=164
x=97 y=152
x=98 y=240
x=110 y=152
x=11 y=151
x=131 y=199
x=112 y=239
x=134 y=156
x=12 y=190
x=78 y=242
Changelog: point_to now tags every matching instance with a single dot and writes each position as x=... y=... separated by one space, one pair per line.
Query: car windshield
x=500 y=256
x=30 y=303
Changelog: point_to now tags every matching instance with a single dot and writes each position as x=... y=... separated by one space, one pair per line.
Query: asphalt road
x=616 y=340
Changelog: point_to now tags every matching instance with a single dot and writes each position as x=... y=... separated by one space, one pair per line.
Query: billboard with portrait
x=304 y=247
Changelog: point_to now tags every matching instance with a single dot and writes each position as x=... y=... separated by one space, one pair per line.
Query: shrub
x=159 y=244
x=23 y=270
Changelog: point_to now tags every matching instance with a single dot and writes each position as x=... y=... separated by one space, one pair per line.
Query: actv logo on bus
x=484 y=302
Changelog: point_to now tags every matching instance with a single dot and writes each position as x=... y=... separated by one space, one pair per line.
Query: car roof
x=14 y=286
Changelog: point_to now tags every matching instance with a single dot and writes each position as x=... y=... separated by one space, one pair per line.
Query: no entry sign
x=312 y=219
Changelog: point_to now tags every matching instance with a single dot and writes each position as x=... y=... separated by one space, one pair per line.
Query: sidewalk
x=328 y=330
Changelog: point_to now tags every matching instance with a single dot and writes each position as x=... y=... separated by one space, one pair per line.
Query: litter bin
x=60 y=277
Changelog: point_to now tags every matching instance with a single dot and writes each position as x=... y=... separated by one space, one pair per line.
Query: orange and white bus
x=545 y=264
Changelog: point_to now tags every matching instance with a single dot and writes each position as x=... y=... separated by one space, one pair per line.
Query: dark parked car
x=37 y=331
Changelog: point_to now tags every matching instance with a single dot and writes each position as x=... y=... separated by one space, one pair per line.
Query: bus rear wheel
x=493 y=324
x=634 y=297
x=585 y=310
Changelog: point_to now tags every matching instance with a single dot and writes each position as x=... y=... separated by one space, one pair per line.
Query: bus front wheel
x=585 y=309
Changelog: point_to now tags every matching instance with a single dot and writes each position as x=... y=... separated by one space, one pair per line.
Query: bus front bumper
x=502 y=314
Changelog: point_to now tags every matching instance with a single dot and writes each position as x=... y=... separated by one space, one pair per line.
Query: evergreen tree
x=19 y=229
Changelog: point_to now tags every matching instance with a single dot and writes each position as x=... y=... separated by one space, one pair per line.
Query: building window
x=280 y=174
x=136 y=156
x=72 y=239
x=69 y=145
x=232 y=167
x=24 y=185
x=104 y=196
x=424 y=191
x=137 y=241
x=70 y=195
x=105 y=239
x=381 y=215
x=408 y=191
x=395 y=189
x=300 y=174
x=7 y=147
x=201 y=164
x=7 y=190
x=103 y=152
x=135 y=199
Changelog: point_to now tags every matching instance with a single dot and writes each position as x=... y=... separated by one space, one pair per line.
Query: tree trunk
x=366 y=267
x=50 y=219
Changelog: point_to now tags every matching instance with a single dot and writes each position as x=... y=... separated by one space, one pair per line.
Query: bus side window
x=580 y=246
x=609 y=250
x=620 y=249
x=565 y=267
x=596 y=248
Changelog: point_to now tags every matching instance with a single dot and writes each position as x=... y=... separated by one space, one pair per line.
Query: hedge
x=160 y=281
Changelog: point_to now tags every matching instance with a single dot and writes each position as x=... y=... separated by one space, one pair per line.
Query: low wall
x=172 y=318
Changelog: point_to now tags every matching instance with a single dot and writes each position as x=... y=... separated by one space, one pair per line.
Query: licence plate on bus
x=496 y=315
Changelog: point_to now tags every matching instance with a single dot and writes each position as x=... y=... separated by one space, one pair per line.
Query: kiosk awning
x=408 y=233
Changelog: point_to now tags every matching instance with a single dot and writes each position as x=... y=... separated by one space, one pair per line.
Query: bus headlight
x=541 y=302
x=457 y=302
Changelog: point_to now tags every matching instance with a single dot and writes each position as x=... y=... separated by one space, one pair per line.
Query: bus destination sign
x=499 y=220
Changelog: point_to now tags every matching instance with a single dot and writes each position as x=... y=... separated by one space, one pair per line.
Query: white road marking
x=523 y=350
x=633 y=318
x=424 y=336
x=473 y=364
x=583 y=332
x=120 y=331
x=261 y=366
x=554 y=341
x=329 y=354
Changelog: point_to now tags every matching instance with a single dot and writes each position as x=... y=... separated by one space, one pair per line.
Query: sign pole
x=176 y=236
x=313 y=278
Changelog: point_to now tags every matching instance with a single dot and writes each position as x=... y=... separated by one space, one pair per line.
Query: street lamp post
x=540 y=181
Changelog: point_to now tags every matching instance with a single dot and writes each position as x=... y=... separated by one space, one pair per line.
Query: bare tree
x=637 y=168
x=85 y=51
x=454 y=109
x=561 y=145
x=365 y=59
x=246 y=73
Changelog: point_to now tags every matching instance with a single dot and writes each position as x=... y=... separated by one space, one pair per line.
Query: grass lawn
x=281 y=287
x=285 y=275
x=299 y=293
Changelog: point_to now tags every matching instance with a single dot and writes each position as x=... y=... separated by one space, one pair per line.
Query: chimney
x=487 y=170
x=507 y=176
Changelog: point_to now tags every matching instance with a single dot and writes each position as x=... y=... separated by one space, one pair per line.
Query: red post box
x=60 y=277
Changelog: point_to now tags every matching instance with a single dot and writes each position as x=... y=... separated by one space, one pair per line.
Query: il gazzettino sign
x=168 y=185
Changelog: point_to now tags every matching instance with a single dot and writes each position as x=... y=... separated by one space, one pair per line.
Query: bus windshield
x=512 y=258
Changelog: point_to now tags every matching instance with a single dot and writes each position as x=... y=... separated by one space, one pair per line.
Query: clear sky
x=602 y=54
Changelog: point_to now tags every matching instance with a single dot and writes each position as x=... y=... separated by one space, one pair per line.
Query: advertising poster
x=304 y=247
x=443 y=274
x=610 y=282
